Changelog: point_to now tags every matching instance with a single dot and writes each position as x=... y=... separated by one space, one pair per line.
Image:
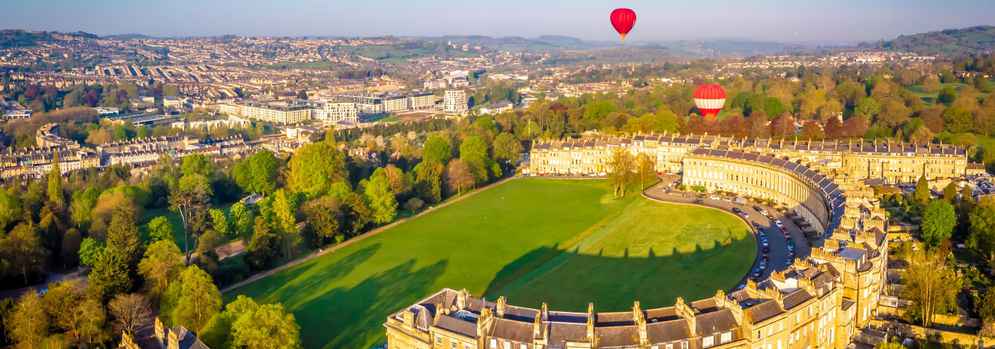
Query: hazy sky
x=780 y=20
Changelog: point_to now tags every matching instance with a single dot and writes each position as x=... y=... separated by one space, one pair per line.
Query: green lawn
x=565 y=242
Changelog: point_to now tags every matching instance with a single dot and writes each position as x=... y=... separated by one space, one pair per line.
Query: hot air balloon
x=623 y=19
x=709 y=98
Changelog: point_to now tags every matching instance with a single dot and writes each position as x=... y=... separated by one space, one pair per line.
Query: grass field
x=565 y=242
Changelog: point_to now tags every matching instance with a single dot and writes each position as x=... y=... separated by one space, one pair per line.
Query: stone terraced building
x=820 y=301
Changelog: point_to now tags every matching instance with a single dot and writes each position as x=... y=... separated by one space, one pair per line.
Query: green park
x=523 y=239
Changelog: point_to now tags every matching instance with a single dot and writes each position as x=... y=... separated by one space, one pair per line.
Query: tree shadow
x=279 y=285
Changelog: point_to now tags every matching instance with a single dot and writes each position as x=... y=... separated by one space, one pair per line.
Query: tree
x=218 y=331
x=459 y=176
x=958 y=120
x=60 y=301
x=950 y=192
x=160 y=266
x=269 y=326
x=868 y=106
x=82 y=204
x=198 y=299
x=22 y=251
x=922 y=194
x=92 y=324
x=947 y=95
x=219 y=222
x=437 y=149
x=89 y=251
x=197 y=165
x=931 y=284
x=322 y=215
x=264 y=247
x=110 y=275
x=314 y=167
x=10 y=209
x=620 y=169
x=473 y=152
x=285 y=211
x=428 y=180
x=986 y=308
x=379 y=197
x=123 y=237
x=981 y=219
x=28 y=324
x=130 y=312
x=507 y=148
x=56 y=196
x=938 y=221
x=190 y=200
x=645 y=169
x=70 y=247
x=241 y=219
x=257 y=173
x=160 y=229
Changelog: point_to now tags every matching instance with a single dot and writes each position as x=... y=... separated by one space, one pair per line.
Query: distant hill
x=128 y=36
x=10 y=38
x=970 y=40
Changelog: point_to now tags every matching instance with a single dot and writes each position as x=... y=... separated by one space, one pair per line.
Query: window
x=684 y=344
x=452 y=344
x=707 y=342
x=524 y=346
x=726 y=338
x=493 y=343
x=669 y=346
x=507 y=345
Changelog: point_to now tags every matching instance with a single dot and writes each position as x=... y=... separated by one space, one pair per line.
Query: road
x=778 y=243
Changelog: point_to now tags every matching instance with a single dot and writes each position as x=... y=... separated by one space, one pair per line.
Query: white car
x=779 y=224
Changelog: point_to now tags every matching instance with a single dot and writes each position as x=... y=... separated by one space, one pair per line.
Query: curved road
x=778 y=255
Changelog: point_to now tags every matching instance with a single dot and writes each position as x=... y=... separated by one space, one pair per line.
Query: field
x=533 y=240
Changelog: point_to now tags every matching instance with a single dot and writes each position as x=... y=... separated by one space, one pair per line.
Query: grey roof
x=667 y=331
x=517 y=331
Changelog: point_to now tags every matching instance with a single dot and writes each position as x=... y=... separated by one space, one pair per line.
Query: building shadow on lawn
x=569 y=279
x=353 y=317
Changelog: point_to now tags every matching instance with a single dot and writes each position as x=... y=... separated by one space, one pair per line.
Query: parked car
x=779 y=224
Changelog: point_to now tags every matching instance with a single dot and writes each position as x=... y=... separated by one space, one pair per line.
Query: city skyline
x=767 y=20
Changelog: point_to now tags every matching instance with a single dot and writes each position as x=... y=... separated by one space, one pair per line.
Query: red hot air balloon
x=623 y=19
x=709 y=98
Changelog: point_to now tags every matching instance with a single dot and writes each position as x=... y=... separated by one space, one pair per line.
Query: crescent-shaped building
x=818 y=302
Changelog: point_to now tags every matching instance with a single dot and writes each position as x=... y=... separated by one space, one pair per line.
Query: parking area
x=779 y=239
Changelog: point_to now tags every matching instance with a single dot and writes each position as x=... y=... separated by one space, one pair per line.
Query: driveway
x=778 y=255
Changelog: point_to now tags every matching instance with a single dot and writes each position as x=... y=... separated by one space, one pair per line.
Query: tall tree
x=938 y=222
x=437 y=149
x=285 y=212
x=190 y=200
x=931 y=284
x=922 y=194
x=620 y=170
x=459 y=176
x=220 y=223
x=380 y=198
x=507 y=148
x=428 y=180
x=257 y=173
x=110 y=275
x=130 y=312
x=160 y=266
x=314 y=167
x=22 y=251
x=10 y=209
x=645 y=170
x=322 y=215
x=268 y=325
x=28 y=324
x=198 y=299
x=123 y=237
x=473 y=152
x=160 y=229
x=241 y=219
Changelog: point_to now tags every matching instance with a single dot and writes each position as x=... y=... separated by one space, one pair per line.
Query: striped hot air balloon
x=709 y=98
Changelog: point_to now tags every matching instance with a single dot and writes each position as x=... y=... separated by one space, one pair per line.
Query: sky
x=798 y=21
